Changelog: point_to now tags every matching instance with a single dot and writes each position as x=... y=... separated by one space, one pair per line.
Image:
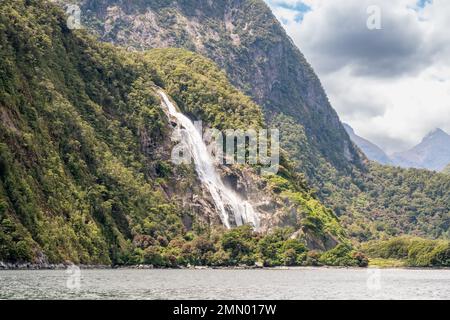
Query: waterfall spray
x=225 y=199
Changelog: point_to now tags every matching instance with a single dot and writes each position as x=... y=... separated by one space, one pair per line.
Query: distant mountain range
x=433 y=153
x=372 y=151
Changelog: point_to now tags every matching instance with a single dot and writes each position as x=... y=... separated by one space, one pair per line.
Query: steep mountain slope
x=371 y=150
x=244 y=38
x=432 y=153
x=399 y=201
x=85 y=170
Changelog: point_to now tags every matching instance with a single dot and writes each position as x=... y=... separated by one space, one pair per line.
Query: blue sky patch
x=299 y=7
x=423 y=3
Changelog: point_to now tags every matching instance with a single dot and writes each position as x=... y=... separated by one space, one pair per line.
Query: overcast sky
x=392 y=85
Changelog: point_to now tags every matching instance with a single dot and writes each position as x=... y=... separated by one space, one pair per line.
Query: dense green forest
x=414 y=252
x=394 y=201
x=85 y=171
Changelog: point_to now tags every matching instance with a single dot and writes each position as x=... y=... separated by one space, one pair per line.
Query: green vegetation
x=393 y=202
x=82 y=159
x=387 y=263
x=413 y=252
x=243 y=247
x=344 y=255
x=203 y=91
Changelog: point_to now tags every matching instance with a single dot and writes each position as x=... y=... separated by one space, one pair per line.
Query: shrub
x=416 y=252
x=342 y=255
x=153 y=255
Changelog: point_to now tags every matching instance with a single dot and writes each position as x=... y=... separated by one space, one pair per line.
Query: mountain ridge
x=432 y=153
x=371 y=150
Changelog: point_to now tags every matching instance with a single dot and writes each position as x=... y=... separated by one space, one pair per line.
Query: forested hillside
x=85 y=170
x=410 y=251
x=245 y=39
x=396 y=201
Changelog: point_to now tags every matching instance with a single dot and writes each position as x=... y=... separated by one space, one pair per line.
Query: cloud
x=392 y=85
x=335 y=35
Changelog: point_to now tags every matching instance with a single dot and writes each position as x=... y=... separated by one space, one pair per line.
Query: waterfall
x=226 y=200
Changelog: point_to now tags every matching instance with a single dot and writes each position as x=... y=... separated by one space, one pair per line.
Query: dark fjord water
x=305 y=283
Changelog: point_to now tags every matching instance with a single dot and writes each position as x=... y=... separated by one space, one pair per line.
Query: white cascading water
x=225 y=199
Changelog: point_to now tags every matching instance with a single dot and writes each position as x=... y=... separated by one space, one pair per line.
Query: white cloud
x=392 y=85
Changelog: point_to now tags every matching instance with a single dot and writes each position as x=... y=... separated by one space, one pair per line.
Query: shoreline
x=48 y=267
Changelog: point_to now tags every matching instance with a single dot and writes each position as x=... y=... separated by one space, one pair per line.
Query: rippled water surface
x=306 y=283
